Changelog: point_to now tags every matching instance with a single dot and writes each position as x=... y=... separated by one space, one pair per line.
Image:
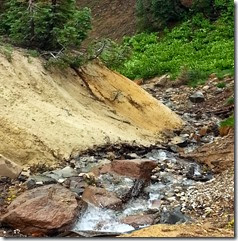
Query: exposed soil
x=49 y=116
x=182 y=230
x=111 y=19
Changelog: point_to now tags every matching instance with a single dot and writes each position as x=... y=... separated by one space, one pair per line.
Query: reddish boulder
x=8 y=168
x=135 y=168
x=100 y=197
x=43 y=211
x=139 y=220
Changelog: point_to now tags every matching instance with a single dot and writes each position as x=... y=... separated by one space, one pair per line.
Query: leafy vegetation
x=157 y=14
x=230 y=100
x=56 y=25
x=113 y=55
x=221 y=85
x=229 y=122
x=6 y=50
x=198 y=45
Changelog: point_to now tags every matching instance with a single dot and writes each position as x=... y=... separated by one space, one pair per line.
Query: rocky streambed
x=113 y=190
x=118 y=189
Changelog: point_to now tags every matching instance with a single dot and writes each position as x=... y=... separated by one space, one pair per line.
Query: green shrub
x=204 y=47
x=6 y=50
x=154 y=15
x=46 y=25
x=230 y=121
x=112 y=54
x=230 y=101
x=221 y=85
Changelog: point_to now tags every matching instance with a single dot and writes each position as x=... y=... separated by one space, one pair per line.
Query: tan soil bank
x=47 y=116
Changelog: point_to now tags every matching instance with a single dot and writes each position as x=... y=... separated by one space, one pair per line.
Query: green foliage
x=230 y=100
x=155 y=14
x=6 y=50
x=113 y=55
x=221 y=85
x=46 y=25
x=230 y=121
x=64 y=60
x=231 y=224
x=204 y=47
x=33 y=53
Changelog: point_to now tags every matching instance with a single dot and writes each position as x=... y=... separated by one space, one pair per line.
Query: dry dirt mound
x=180 y=230
x=48 y=116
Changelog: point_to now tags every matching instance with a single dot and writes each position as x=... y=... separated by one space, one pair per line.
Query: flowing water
x=171 y=181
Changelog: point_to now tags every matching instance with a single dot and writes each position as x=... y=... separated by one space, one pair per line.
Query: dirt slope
x=111 y=19
x=47 y=116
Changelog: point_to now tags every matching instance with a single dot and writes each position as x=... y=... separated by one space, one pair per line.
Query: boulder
x=135 y=168
x=42 y=211
x=62 y=173
x=9 y=168
x=39 y=180
x=139 y=220
x=173 y=217
x=100 y=197
x=197 y=97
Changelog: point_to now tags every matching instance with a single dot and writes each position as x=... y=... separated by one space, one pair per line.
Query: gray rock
x=39 y=180
x=62 y=173
x=173 y=217
x=197 y=97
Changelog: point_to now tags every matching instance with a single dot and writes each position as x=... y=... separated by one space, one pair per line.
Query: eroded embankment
x=49 y=115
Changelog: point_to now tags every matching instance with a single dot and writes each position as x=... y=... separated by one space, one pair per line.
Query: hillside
x=111 y=19
x=48 y=116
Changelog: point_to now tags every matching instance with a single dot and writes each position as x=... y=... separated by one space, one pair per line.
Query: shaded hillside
x=111 y=19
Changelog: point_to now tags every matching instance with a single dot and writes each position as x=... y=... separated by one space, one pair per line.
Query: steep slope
x=48 y=116
x=111 y=19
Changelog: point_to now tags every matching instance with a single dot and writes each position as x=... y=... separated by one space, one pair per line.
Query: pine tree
x=45 y=24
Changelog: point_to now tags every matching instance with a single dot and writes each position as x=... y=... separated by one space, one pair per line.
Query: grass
x=6 y=50
x=230 y=100
x=200 y=46
x=221 y=85
x=229 y=122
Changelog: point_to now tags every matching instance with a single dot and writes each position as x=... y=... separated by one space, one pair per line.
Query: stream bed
x=159 y=200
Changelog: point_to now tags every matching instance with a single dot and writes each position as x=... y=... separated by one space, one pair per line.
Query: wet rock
x=117 y=184
x=137 y=188
x=8 y=168
x=133 y=155
x=179 y=141
x=195 y=174
x=139 y=220
x=77 y=185
x=173 y=217
x=100 y=197
x=43 y=211
x=62 y=173
x=39 y=180
x=136 y=168
x=197 y=97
